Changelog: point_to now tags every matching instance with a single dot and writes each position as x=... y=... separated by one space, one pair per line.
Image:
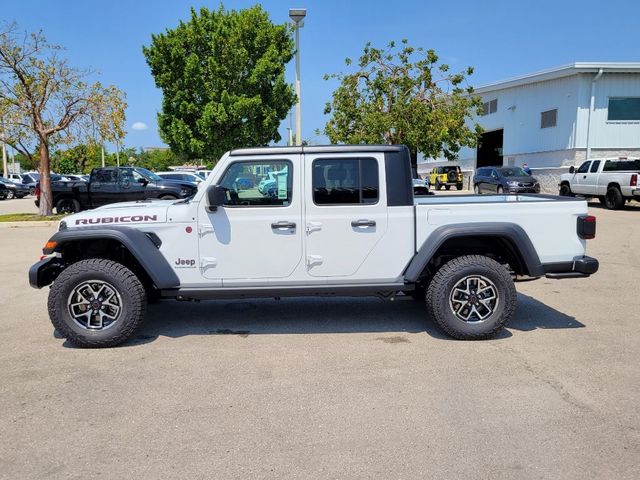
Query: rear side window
x=345 y=181
x=105 y=176
x=621 y=166
x=594 y=166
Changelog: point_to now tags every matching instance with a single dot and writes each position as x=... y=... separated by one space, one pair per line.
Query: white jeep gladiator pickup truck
x=612 y=180
x=339 y=220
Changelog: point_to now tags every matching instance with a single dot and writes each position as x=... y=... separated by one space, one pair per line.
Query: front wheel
x=471 y=297
x=500 y=190
x=97 y=303
x=10 y=195
x=447 y=187
x=565 y=190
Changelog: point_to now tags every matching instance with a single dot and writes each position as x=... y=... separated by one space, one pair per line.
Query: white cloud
x=139 y=126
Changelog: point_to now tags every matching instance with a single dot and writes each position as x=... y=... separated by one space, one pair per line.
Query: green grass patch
x=28 y=217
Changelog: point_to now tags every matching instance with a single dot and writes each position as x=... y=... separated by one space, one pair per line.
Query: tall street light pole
x=297 y=15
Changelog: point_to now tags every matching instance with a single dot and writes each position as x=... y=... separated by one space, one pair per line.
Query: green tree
x=222 y=78
x=45 y=102
x=403 y=95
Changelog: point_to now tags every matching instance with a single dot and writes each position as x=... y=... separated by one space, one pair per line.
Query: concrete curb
x=27 y=224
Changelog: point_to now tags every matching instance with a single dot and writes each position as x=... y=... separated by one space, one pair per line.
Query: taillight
x=587 y=227
x=634 y=180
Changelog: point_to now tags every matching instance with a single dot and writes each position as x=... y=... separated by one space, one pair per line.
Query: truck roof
x=317 y=149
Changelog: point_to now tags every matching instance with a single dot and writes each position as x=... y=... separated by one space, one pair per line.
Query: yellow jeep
x=446 y=177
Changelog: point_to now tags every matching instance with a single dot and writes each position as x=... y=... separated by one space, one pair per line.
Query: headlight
x=513 y=184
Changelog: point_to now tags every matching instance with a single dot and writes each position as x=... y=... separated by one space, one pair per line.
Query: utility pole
x=297 y=15
x=4 y=151
x=102 y=155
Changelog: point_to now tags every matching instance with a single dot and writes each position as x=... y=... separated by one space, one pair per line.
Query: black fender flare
x=510 y=231
x=140 y=245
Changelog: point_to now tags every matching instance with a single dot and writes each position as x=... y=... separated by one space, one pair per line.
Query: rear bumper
x=44 y=272
x=578 y=268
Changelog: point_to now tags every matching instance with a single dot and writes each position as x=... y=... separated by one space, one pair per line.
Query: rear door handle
x=283 y=225
x=363 y=223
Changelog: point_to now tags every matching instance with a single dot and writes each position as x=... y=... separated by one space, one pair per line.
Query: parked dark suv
x=504 y=180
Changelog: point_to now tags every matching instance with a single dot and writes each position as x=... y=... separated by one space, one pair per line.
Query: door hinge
x=313 y=227
x=314 y=260
x=206 y=262
x=203 y=229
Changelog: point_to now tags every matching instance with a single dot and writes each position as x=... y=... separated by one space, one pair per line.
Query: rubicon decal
x=124 y=219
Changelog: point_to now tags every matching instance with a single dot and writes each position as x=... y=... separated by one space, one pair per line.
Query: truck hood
x=125 y=214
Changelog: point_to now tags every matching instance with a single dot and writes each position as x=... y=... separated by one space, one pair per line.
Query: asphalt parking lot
x=331 y=388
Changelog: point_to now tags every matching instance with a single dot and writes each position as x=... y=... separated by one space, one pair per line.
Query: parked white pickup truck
x=341 y=220
x=612 y=180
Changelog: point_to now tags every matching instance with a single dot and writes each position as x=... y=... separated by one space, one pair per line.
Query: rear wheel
x=500 y=190
x=67 y=205
x=471 y=297
x=614 y=200
x=447 y=187
x=459 y=186
x=476 y=189
x=10 y=195
x=97 y=303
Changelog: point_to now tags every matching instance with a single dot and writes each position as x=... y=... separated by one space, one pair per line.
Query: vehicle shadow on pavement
x=532 y=314
x=312 y=315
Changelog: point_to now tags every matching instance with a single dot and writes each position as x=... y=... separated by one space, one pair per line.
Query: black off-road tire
x=447 y=187
x=449 y=275
x=67 y=205
x=124 y=281
x=613 y=200
x=459 y=186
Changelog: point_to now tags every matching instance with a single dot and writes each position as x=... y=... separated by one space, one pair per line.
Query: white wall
x=605 y=134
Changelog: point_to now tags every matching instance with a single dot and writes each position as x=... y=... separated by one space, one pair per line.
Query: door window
x=345 y=181
x=594 y=166
x=584 y=168
x=246 y=187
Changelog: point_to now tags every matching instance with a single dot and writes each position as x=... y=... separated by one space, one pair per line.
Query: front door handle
x=363 y=223
x=283 y=225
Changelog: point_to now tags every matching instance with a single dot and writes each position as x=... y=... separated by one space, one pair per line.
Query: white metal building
x=559 y=117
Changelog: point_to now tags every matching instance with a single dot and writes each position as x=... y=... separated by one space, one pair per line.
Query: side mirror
x=143 y=181
x=572 y=169
x=216 y=196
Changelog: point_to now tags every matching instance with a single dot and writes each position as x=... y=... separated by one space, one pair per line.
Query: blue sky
x=501 y=39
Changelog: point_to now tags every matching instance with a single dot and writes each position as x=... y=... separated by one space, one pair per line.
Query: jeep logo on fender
x=124 y=219
x=185 y=262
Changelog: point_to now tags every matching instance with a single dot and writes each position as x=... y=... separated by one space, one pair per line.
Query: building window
x=624 y=108
x=549 y=118
x=490 y=107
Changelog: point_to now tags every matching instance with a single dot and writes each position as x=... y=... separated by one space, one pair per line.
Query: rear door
x=104 y=187
x=345 y=210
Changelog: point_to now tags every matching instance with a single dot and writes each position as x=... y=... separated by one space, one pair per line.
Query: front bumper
x=44 y=272
x=580 y=267
x=524 y=189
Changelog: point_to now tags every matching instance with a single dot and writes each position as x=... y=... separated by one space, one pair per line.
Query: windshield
x=149 y=174
x=513 y=172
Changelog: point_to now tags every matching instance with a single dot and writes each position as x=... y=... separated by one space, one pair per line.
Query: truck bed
x=550 y=221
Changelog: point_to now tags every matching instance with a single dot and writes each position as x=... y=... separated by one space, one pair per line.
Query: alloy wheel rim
x=94 y=305
x=473 y=299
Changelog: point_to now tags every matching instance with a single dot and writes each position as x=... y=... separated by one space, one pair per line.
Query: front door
x=258 y=232
x=346 y=213
x=580 y=178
